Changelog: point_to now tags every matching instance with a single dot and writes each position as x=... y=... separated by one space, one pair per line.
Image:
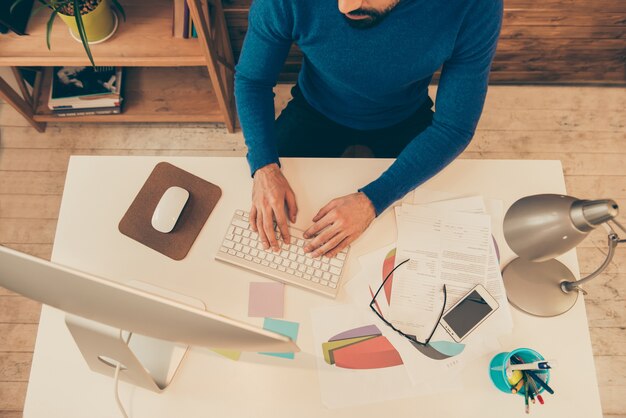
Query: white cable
x=117 y=395
x=116 y=380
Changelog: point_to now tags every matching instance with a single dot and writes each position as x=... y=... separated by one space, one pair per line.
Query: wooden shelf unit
x=167 y=79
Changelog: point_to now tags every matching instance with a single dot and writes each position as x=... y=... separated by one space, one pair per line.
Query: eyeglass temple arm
x=613 y=241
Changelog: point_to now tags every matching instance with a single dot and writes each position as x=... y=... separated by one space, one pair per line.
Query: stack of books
x=80 y=91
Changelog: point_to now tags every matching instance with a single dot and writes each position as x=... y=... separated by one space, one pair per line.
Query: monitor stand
x=145 y=362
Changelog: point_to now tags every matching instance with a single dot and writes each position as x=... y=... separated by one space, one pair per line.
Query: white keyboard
x=241 y=246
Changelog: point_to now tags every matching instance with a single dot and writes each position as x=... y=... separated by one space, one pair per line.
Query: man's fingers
x=292 y=207
x=319 y=225
x=281 y=221
x=253 y=218
x=268 y=226
x=261 y=230
x=321 y=239
x=329 y=245
x=340 y=247
x=323 y=211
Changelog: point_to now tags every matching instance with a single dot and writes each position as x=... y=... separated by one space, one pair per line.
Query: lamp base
x=535 y=288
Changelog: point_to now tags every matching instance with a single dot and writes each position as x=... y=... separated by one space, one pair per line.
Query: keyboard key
x=230 y=236
x=232 y=252
x=334 y=278
x=290 y=271
x=247 y=257
x=274 y=266
x=224 y=249
x=293 y=257
x=341 y=256
x=265 y=263
x=326 y=275
x=240 y=254
x=285 y=262
x=298 y=274
x=246 y=250
x=335 y=270
x=254 y=252
x=228 y=244
x=254 y=236
x=238 y=231
x=317 y=273
x=307 y=276
x=237 y=238
x=246 y=233
x=239 y=212
x=308 y=262
x=256 y=260
x=335 y=262
x=245 y=241
x=281 y=268
x=315 y=280
x=325 y=267
x=317 y=264
x=240 y=223
x=332 y=285
x=238 y=247
x=324 y=282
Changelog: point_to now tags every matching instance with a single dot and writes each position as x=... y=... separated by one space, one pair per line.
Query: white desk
x=99 y=190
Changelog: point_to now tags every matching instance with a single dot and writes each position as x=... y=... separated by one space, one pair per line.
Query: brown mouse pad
x=137 y=221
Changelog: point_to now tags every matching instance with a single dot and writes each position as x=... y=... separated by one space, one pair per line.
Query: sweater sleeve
x=460 y=98
x=265 y=49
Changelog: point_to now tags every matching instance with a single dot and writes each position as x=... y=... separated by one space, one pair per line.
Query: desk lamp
x=541 y=227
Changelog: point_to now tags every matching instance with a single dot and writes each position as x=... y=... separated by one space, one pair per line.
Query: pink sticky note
x=266 y=300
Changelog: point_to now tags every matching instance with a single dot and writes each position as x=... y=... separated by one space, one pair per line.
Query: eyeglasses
x=411 y=338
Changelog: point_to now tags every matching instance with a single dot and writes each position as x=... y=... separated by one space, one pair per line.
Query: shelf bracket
x=25 y=109
x=218 y=54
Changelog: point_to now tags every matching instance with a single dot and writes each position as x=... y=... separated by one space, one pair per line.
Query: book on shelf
x=85 y=87
x=112 y=110
x=178 y=21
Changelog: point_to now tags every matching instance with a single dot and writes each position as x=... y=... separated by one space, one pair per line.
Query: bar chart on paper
x=361 y=348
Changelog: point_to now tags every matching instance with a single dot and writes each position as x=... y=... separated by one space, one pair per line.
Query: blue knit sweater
x=373 y=78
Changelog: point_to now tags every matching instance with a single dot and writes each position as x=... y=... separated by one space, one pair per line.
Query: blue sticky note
x=286 y=328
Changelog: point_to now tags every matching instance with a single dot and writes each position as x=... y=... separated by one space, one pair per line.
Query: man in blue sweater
x=364 y=80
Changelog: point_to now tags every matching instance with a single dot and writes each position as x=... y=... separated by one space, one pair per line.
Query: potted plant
x=96 y=21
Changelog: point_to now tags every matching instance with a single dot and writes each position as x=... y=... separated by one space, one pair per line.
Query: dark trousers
x=304 y=132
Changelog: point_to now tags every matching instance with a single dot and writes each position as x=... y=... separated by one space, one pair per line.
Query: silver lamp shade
x=539 y=228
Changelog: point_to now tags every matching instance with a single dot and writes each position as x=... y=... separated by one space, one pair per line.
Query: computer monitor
x=131 y=309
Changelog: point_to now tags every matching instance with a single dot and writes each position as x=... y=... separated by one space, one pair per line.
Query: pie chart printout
x=361 y=348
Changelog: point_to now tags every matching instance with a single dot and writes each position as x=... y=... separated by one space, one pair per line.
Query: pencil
x=539 y=397
x=518 y=386
x=540 y=381
x=526 y=395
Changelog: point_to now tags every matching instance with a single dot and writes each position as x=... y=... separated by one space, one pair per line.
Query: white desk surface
x=97 y=193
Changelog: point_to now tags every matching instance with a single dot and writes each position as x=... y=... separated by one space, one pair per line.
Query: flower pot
x=100 y=24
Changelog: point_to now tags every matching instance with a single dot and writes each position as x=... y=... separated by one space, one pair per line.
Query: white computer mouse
x=169 y=209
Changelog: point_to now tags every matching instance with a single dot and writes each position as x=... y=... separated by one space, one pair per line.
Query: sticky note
x=231 y=354
x=287 y=328
x=266 y=300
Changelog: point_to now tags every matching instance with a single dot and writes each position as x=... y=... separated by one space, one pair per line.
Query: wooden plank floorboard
x=584 y=127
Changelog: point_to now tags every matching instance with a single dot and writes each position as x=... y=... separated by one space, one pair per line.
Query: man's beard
x=374 y=17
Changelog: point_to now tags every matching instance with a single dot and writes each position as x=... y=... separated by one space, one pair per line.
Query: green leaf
x=81 y=30
x=119 y=8
x=49 y=27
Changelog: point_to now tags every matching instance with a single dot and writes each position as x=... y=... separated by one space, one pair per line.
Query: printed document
x=442 y=247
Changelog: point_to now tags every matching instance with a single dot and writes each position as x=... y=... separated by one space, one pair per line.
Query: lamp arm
x=613 y=241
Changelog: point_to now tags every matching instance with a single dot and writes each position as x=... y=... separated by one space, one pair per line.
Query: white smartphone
x=468 y=313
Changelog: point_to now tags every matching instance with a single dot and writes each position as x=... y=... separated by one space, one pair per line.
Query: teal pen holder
x=498 y=365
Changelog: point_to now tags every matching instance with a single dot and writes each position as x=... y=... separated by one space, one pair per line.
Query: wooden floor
x=585 y=128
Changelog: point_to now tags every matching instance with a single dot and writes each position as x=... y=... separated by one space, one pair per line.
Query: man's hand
x=270 y=193
x=338 y=224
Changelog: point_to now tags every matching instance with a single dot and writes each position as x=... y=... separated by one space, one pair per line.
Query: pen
x=539 y=397
x=526 y=390
x=540 y=381
x=537 y=365
x=533 y=375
